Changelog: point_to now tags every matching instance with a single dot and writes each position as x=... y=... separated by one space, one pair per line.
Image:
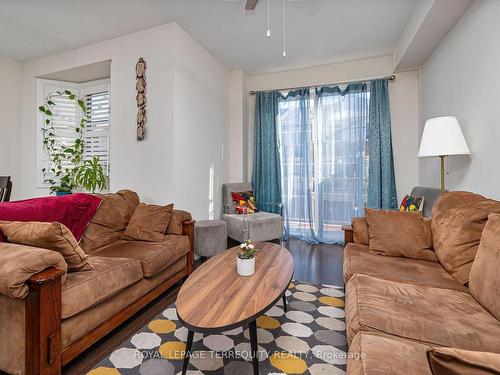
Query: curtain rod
x=392 y=77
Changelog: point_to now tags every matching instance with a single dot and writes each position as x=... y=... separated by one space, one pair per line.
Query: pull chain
x=268 y=35
x=284 y=29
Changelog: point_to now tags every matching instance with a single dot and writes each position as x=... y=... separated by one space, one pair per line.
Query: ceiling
x=318 y=31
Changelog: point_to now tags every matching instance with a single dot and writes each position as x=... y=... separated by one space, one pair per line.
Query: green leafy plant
x=247 y=250
x=90 y=175
x=65 y=157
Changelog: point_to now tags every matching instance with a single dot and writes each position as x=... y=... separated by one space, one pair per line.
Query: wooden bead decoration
x=140 y=72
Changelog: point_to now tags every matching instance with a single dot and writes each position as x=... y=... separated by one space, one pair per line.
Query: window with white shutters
x=67 y=115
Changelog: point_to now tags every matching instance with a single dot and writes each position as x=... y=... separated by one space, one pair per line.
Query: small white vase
x=246 y=267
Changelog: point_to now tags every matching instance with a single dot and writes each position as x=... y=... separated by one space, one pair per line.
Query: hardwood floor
x=313 y=263
x=317 y=263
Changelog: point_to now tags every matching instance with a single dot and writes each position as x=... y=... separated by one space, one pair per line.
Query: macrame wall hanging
x=140 y=72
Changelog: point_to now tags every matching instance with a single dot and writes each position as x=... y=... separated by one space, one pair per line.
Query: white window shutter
x=97 y=128
x=63 y=120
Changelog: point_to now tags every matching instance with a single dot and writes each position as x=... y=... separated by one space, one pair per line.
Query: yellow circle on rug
x=332 y=301
x=288 y=363
x=267 y=322
x=104 y=371
x=162 y=326
x=291 y=285
x=173 y=350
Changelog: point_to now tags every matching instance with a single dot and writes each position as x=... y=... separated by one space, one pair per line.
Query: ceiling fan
x=250 y=5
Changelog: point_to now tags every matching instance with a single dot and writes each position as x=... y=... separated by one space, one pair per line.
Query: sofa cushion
x=451 y=361
x=51 y=236
x=435 y=316
x=262 y=226
x=360 y=227
x=78 y=325
x=175 y=224
x=374 y=354
x=458 y=219
x=357 y=259
x=149 y=222
x=83 y=290
x=484 y=277
x=110 y=220
x=154 y=256
x=397 y=233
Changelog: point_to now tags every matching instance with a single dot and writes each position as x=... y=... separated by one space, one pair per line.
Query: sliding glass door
x=324 y=158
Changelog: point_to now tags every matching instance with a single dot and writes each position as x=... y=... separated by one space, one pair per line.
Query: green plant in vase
x=245 y=260
x=247 y=250
x=65 y=153
x=90 y=175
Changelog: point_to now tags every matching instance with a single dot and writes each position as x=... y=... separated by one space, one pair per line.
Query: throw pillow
x=175 y=225
x=360 y=227
x=244 y=201
x=74 y=211
x=149 y=222
x=403 y=234
x=451 y=361
x=484 y=278
x=458 y=220
x=110 y=220
x=52 y=236
x=410 y=203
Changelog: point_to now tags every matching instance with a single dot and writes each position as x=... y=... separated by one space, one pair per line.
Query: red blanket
x=74 y=211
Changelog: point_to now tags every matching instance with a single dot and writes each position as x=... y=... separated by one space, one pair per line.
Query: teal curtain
x=266 y=176
x=381 y=180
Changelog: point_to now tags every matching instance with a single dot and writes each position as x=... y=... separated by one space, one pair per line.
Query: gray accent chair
x=430 y=195
x=261 y=226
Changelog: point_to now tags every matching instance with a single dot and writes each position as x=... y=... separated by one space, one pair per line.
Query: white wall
x=238 y=99
x=201 y=120
x=462 y=78
x=10 y=95
x=187 y=98
x=404 y=102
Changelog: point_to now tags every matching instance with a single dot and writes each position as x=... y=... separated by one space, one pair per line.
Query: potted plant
x=65 y=154
x=90 y=175
x=245 y=260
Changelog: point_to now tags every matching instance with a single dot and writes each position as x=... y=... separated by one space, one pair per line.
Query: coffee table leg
x=284 y=303
x=252 y=327
x=189 y=344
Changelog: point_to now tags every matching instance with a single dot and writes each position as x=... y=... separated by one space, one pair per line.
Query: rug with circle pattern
x=308 y=339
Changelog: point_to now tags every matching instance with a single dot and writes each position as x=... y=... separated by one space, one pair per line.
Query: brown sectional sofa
x=399 y=309
x=60 y=314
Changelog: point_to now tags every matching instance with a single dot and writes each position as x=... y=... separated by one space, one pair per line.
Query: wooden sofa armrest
x=348 y=233
x=188 y=230
x=43 y=323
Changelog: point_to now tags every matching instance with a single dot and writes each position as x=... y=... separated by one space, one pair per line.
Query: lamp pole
x=442 y=173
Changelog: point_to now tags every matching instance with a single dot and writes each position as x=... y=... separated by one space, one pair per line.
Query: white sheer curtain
x=323 y=140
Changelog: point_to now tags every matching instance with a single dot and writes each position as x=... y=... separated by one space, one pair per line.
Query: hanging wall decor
x=140 y=71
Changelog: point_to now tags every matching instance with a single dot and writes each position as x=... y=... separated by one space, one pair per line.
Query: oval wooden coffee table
x=215 y=298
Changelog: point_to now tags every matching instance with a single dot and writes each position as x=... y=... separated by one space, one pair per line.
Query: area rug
x=308 y=339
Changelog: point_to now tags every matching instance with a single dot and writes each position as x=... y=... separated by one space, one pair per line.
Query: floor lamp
x=442 y=137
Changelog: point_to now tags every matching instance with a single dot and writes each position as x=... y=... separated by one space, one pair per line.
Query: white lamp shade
x=442 y=136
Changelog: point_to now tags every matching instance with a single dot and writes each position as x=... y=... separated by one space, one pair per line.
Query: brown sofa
x=55 y=315
x=398 y=310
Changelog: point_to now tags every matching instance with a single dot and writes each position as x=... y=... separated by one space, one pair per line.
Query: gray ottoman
x=210 y=237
